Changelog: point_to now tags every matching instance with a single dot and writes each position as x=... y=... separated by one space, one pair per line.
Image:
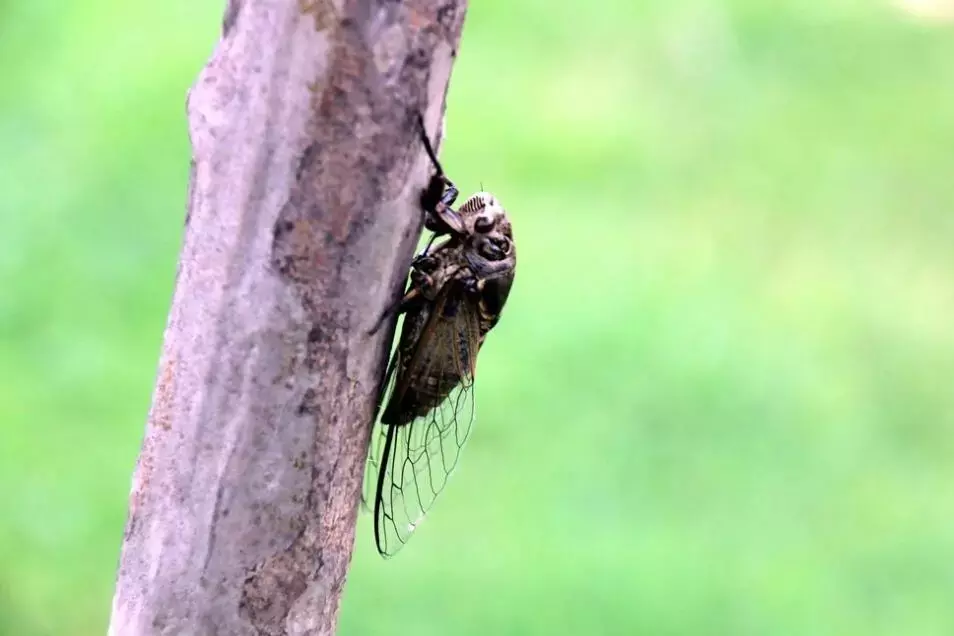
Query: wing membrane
x=409 y=465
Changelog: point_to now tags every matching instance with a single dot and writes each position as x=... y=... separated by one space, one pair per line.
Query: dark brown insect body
x=455 y=296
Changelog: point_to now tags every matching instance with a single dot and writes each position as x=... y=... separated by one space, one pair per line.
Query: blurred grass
x=719 y=401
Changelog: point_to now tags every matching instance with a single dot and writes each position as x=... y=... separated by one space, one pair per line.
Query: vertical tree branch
x=303 y=216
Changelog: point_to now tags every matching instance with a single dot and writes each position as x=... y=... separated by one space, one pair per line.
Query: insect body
x=456 y=293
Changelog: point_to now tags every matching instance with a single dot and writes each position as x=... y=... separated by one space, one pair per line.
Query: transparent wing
x=409 y=465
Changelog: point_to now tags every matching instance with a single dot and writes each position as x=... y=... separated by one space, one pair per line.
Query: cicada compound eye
x=484 y=223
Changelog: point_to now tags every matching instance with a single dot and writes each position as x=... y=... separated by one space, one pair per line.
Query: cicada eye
x=484 y=223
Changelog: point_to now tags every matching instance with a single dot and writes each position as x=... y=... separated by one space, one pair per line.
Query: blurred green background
x=719 y=401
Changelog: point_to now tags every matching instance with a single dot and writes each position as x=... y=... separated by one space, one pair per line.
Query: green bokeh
x=719 y=401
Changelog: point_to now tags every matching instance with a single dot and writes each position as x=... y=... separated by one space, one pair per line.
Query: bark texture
x=303 y=216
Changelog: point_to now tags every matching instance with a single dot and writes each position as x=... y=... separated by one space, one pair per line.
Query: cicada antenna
x=427 y=145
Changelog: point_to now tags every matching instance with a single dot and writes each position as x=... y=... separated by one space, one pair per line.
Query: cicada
x=455 y=296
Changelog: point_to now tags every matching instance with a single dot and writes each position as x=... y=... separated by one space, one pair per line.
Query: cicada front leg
x=439 y=195
x=437 y=199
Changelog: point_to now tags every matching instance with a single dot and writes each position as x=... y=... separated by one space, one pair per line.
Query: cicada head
x=489 y=235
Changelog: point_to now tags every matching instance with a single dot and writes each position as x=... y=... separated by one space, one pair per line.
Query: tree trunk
x=303 y=217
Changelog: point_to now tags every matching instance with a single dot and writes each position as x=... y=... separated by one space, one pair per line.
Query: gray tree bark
x=302 y=221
